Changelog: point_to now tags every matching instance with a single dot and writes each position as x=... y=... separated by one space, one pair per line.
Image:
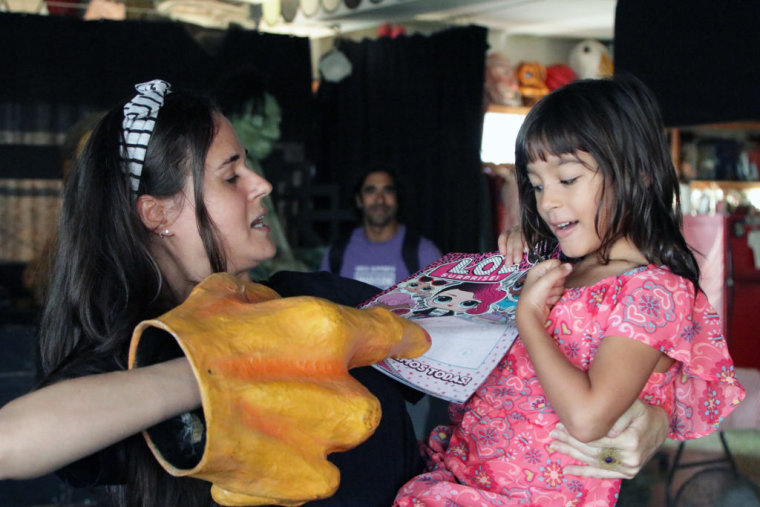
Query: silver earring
x=164 y=233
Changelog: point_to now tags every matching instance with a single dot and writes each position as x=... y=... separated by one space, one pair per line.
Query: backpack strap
x=410 y=250
x=337 y=250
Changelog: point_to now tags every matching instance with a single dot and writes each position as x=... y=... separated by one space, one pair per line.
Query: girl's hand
x=543 y=287
x=512 y=245
x=634 y=438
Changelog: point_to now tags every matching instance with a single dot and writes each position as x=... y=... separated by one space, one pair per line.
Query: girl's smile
x=563 y=228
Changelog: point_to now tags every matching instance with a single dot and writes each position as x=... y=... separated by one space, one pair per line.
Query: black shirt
x=371 y=473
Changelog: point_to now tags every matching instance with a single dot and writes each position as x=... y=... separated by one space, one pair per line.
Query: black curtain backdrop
x=414 y=104
x=56 y=70
x=59 y=61
x=699 y=57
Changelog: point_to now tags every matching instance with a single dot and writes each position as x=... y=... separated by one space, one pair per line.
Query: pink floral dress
x=497 y=450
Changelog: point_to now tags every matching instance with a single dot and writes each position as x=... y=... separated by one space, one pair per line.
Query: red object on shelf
x=384 y=30
x=744 y=325
x=389 y=30
x=61 y=8
x=744 y=318
x=742 y=257
x=723 y=254
x=397 y=31
x=558 y=75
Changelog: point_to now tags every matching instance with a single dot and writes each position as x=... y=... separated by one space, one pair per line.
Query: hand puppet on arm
x=275 y=389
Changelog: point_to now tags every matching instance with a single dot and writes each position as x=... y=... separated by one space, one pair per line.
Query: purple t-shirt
x=379 y=263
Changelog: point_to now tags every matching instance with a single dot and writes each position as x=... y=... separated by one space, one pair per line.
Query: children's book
x=466 y=303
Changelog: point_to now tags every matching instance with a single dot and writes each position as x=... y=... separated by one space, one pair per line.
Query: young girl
x=623 y=318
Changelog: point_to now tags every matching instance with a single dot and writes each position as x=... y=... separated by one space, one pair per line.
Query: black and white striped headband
x=140 y=115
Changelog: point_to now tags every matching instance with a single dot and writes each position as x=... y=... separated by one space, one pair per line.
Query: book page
x=461 y=342
x=462 y=355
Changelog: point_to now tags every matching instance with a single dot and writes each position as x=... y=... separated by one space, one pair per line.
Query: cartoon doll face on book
x=476 y=285
x=424 y=286
x=411 y=293
x=513 y=284
x=472 y=298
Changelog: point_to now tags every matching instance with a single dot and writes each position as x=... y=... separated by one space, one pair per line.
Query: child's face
x=455 y=300
x=568 y=189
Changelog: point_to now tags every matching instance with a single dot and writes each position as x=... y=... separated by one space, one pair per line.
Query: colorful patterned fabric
x=497 y=450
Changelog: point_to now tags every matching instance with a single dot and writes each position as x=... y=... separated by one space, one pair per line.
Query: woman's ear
x=152 y=211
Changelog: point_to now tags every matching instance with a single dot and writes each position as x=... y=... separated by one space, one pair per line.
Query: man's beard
x=379 y=220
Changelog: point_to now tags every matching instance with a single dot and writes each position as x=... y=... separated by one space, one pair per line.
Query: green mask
x=257 y=128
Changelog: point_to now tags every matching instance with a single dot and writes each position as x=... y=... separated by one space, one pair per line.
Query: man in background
x=382 y=251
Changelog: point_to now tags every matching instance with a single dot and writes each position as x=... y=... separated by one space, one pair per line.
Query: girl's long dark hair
x=618 y=122
x=105 y=280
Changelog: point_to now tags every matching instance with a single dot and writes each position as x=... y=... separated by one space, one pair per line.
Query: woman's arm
x=588 y=403
x=635 y=437
x=61 y=423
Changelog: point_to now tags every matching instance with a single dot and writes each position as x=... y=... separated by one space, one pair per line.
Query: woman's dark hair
x=617 y=121
x=105 y=279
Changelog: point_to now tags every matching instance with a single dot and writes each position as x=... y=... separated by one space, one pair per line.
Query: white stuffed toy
x=590 y=59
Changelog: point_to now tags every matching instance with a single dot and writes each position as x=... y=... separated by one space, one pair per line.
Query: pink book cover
x=466 y=302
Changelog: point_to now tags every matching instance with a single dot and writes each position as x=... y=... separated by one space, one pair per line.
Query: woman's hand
x=634 y=438
x=512 y=245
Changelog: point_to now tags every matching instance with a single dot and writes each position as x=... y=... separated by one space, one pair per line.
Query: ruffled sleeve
x=662 y=310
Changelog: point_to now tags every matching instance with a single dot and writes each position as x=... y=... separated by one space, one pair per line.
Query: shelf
x=723 y=185
x=744 y=134
x=734 y=125
x=498 y=108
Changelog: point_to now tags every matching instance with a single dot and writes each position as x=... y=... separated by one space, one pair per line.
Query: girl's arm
x=61 y=423
x=636 y=435
x=587 y=403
